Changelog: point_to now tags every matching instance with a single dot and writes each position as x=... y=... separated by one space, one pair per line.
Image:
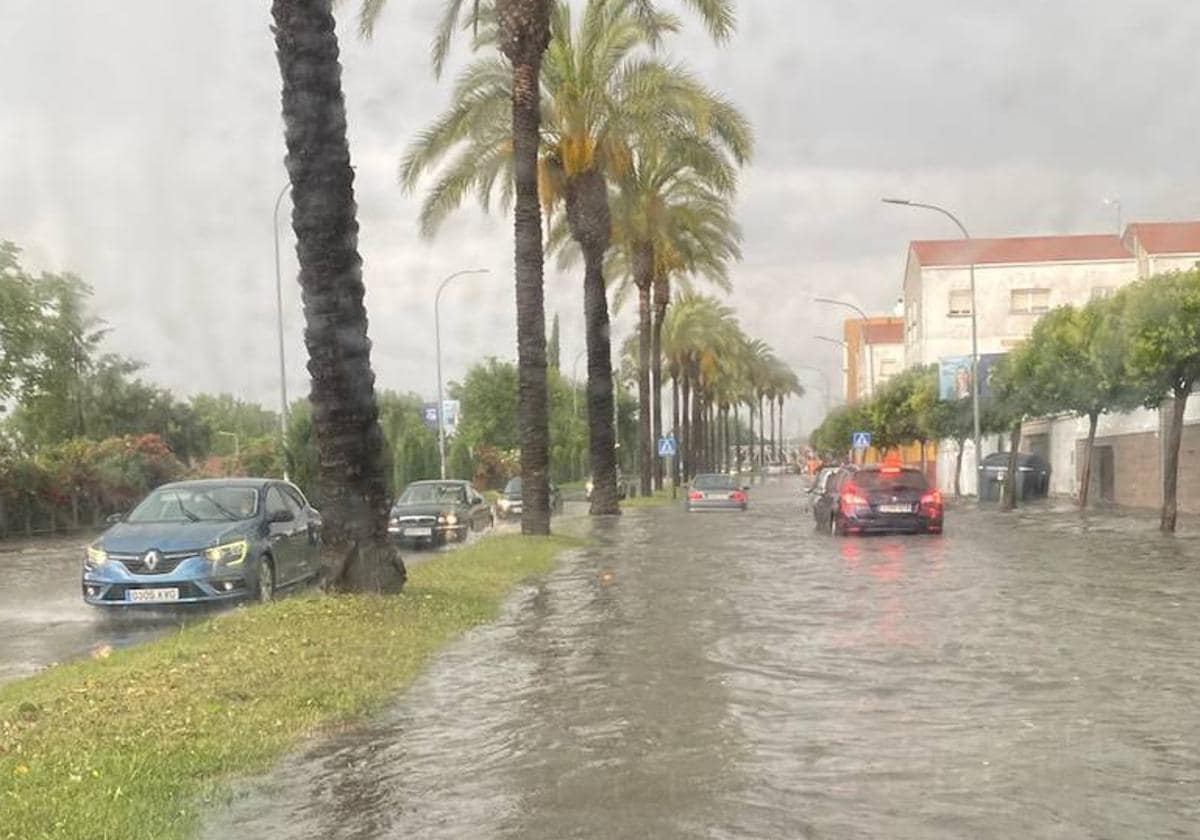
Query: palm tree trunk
x=774 y=440
x=588 y=217
x=782 y=444
x=662 y=292
x=644 y=276
x=737 y=431
x=685 y=444
x=762 y=432
x=525 y=33
x=675 y=461
x=356 y=553
x=698 y=432
x=1085 y=480
x=728 y=462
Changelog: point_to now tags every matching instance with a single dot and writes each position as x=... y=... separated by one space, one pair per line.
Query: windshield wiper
x=228 y=513
x=184 y=510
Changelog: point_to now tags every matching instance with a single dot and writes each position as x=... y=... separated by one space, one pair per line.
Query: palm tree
x=598 y=98
x=672 y=216
x=351 y=475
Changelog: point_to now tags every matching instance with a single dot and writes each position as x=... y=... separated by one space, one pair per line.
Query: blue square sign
x=861 y=440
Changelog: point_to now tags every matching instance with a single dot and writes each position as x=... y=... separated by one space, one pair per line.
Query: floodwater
x=739 y=675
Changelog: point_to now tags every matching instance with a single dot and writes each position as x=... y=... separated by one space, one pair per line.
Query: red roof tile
x=1166 y=237
x=1020 y=249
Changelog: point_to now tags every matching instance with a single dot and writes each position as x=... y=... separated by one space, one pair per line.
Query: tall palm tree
x=351 y=473
x=672 y=216
x=599 y=95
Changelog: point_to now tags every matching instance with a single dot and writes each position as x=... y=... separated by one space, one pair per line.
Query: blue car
x=199 y=542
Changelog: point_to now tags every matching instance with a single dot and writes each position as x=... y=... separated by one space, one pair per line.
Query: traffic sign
x=861 y=440
x=666 y=447
x=429 y=414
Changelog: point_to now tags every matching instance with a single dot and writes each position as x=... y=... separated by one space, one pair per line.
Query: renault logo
x=151 y=560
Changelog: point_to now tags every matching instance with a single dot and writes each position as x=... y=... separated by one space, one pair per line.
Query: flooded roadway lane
x=732 y=676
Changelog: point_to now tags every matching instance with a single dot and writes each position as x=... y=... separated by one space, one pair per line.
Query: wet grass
x=660 y=497
x=137 y=743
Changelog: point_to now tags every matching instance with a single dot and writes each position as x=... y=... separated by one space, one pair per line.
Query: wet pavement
x=739 y=675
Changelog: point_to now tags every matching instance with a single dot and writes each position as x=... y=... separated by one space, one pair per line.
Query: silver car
x=712 y=491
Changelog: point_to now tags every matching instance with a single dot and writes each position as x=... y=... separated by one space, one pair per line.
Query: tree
x=572 y=169
x=1162 y=318
x=357 y=554
x=554 y=347
x=1016 y=393
x=21 y=320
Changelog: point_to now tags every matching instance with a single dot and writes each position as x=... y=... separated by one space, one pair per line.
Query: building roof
x=1166 y=237
x=1020 y=249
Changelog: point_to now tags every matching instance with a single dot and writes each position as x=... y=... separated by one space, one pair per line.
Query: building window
x=960 y=303
x=1030 y=301
x=887 y=369
x=1102 y=292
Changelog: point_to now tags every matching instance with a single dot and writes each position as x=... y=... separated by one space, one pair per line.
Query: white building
x=1018 y=279
x=874 y=353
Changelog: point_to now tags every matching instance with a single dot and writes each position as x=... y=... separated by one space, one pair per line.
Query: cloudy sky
x=141 y=147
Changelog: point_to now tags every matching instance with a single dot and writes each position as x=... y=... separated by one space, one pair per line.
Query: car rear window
x=903 y=479
x=713 y=482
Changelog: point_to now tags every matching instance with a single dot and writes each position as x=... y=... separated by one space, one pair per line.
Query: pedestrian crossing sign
x=861 y=440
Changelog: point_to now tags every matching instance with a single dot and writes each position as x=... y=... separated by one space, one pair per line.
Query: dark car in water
x=511 y=503
x=207 y=541
x=879 y=499
x=437 y=512
x=1033 y=470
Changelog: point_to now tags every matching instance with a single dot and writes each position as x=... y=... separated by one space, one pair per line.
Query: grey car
x=713 y=491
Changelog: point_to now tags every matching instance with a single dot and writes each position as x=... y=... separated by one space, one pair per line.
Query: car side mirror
x=280 y=516
x=114 y=518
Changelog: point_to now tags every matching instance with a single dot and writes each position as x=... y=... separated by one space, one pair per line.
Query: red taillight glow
x=695 y=496
x=932 y=499
x=851 y=496
x=890 y=470
x=737 y=496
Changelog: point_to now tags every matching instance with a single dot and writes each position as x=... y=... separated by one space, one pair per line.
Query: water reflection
x=743 y=676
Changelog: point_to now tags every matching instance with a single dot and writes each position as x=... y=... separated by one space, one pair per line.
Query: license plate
x=144 y=595
x=895 y=508
x=418 y=532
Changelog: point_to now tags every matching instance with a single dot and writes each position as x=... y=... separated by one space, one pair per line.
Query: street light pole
x=437 y=336
x=825 y=377
x=283 y=400
x=574 y=387
x=866 y=339
x=974 y=326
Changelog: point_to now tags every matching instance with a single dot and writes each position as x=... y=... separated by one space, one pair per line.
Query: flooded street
x=740 y=675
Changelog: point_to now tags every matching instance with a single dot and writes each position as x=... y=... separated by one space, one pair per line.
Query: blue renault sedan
x=195 y=542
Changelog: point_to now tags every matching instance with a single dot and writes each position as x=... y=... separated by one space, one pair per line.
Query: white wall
x=878 y=356
x=938 y=335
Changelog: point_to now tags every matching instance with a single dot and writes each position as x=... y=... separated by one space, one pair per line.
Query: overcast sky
x=141 y=147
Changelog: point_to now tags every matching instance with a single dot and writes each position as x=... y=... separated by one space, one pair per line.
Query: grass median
x=134 y=744
x=658 y=497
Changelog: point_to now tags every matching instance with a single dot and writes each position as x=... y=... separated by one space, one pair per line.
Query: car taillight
x=851 y=497
x=932 y=499
x=737 y=496
x=695 y=496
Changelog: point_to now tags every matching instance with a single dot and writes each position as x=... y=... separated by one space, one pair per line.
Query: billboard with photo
x=954 y=376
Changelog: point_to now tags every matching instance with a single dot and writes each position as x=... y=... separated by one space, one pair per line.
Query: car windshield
x=713 y=482
x=513 y=488
x=419 y=493
x=197 y=504
x=903 y=479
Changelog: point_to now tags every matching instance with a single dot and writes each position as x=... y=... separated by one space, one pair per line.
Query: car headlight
x=95 y=556
x=229 y=554
x=448 y=519
x=503 y=504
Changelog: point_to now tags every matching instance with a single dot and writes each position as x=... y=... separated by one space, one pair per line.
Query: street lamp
x=437 y=337
x=825 y=377
x=283 y=403
x=866 y=339
x=974 y=321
